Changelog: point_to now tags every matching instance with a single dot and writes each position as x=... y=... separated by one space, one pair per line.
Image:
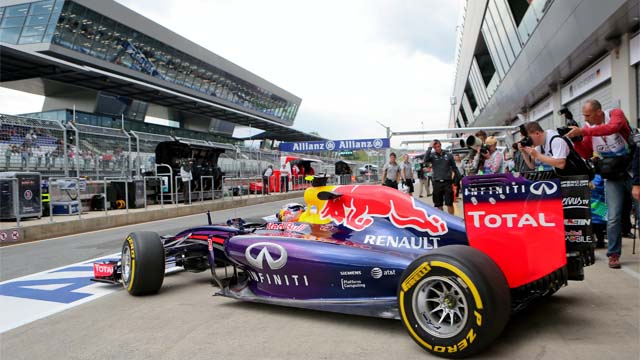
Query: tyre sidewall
x=147 y=263
x=484 y=320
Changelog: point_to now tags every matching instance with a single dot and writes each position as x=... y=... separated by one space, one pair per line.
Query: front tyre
x=454 y=301
x=143 y=263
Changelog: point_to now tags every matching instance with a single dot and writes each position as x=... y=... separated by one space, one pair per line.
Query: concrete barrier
x=46 y=230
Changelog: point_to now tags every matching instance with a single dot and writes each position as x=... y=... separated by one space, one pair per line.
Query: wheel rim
x=441 y=307
x=126 y=264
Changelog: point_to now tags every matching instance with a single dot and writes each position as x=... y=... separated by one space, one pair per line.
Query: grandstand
x=54 y=148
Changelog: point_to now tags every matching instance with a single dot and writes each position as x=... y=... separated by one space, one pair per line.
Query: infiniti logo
x=546 y=187
x=267 y=251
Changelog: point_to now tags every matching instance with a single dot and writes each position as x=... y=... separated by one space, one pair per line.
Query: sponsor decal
x=288 y=227
x=352 y=284
x=574 y=183
x=279 y=279
x=415 y=276
x=351 y=273
x=578 y=222
x=328 y=227
x=28 y=195
x=574 y=232
x=573 y=202
x=482 y=219
x=543 y=187
x=355 y=209
x=578 y=238
x=267 y=251
x=407 y=242
x=103 y=270
x=275 y=256
x=376 y=273
x=495 y=190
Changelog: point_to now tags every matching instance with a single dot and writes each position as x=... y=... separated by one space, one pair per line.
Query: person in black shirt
x=444 y=167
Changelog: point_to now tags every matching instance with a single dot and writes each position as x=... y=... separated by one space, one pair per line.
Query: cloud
x=354 y=63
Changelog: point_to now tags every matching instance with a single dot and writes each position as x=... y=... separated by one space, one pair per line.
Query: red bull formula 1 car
x=375 y=251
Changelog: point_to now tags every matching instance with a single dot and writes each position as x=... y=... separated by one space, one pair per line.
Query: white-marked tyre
x=454 y=301
x=142 y=263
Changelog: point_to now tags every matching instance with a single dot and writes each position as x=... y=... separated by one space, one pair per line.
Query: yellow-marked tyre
x=143 y=261
x=454 y=301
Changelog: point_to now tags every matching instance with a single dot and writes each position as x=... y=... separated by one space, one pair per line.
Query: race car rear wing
x=519 y=223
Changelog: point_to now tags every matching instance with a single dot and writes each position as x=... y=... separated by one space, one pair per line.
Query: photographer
x=539 y=149
x=607 y=134
x=473 y=156
x=493 y=159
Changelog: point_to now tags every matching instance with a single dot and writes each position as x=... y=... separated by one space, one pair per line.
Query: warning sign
x=11 y=235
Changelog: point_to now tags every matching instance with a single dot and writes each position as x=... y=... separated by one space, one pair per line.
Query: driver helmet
x=290 y=212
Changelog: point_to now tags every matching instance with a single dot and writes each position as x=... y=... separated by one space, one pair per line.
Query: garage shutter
x=601 y=93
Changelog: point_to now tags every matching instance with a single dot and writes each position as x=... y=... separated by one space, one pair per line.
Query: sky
x=354 y=63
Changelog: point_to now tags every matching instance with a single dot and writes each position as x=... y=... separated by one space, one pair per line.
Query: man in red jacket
x=605 y=135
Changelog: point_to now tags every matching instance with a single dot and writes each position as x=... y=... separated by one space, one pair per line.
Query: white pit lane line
x=32 y=297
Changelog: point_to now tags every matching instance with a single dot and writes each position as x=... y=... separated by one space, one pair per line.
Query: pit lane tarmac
x=593 y=319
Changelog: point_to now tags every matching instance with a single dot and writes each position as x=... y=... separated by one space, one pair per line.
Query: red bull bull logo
x=358 y=205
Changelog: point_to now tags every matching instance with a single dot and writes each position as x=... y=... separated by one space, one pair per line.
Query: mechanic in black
x=444 y=168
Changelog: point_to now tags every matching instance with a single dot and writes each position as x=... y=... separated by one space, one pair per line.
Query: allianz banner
x=335 y=145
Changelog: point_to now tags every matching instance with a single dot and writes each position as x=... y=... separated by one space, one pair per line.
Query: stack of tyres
x=28 y=195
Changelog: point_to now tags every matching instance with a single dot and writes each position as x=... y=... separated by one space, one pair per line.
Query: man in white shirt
x=266 y=180
x=550 y=149
x=284 y=178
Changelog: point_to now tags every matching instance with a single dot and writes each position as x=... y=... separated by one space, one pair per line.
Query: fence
x=145 y=147
x=33 y=145
x=100 y=152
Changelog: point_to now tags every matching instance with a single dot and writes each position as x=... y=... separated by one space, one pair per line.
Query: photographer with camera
x=493 y=160
x=607 y=134
x=474 y=143
x=540 y=151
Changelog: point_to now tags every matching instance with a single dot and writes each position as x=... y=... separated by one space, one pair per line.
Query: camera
x=526 y=140
x=484 y=149
x=562 y=131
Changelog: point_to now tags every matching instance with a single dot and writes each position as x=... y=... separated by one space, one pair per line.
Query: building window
x=88 y=32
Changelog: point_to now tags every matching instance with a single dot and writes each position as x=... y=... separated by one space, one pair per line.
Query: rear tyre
x=454 y=301
x=143 y=261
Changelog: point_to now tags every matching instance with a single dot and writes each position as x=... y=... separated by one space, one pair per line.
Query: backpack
x=575 y=164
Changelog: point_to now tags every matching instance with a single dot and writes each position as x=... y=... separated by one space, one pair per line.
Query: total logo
x=543 y=187
x=482 y=219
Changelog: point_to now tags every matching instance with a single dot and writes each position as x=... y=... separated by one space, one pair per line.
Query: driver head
x=290 y=212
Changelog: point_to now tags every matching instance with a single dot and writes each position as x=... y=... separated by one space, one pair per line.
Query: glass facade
x=29 y=23
x=75 y=27
x=505 y=33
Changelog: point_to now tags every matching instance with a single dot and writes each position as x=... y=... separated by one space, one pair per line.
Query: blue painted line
x=64 y=295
